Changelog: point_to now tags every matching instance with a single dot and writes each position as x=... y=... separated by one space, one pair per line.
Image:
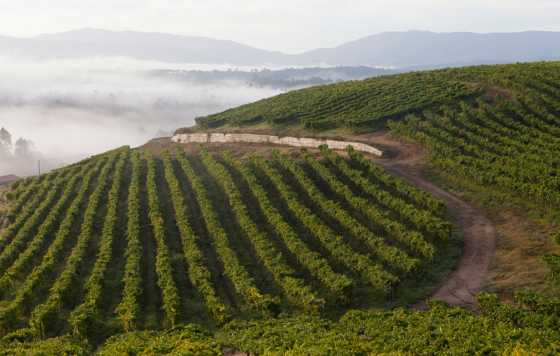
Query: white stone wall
x=191 y=138
x=287 y=141
x=218 y=137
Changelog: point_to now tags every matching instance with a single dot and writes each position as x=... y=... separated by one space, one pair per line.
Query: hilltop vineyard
x=364 y=106
x=131 y=240
x=355 y=104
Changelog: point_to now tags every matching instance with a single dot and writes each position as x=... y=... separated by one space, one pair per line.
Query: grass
x=523 y=236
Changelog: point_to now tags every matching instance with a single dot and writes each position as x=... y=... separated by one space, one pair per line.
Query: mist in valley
x=66 y=110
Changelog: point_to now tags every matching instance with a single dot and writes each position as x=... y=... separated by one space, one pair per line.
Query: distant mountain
x=411 y=49
x=138 y=45
x=429 y=49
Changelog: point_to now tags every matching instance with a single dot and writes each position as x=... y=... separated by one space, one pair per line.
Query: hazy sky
x=287 y=25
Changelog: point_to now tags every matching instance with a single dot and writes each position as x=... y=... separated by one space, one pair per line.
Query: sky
x=290 y=26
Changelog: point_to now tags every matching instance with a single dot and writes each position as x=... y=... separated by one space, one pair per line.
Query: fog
x=71 y=109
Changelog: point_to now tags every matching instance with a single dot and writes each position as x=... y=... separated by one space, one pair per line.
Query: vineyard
x=129 y=240
x=191 y=249
x=528 y=327
x=355 y=104
x=487 y=128
x=367 y=105
x=511 y=146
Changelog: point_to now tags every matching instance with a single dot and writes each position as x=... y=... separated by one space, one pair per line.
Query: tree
x=5 y=144
x=24 y=148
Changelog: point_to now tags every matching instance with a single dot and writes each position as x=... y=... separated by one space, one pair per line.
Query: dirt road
x=462 y=285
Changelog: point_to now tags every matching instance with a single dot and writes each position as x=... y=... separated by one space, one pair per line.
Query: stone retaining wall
x=276 y=140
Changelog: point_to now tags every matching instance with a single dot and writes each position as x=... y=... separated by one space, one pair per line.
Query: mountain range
x=410 y=49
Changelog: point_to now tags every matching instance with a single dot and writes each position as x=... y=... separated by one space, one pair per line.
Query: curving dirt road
x=462 y=285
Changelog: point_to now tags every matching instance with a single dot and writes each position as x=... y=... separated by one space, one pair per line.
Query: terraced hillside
x=128 y=240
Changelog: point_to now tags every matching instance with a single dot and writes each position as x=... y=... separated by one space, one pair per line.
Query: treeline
x=280 y=79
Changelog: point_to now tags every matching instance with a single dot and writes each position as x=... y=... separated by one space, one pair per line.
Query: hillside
x=218 y=248
x=496 y=125
x=355 y=105
x=7 y=179
x=127 y=240
x=366 y=105
x=491 y=133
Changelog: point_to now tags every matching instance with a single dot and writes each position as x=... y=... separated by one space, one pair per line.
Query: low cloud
x=73 y=109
